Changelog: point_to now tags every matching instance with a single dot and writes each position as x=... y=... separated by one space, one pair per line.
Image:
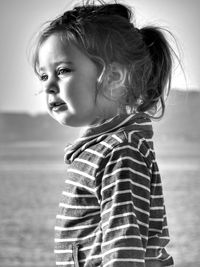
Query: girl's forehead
x=55 y=50
x=54 y=46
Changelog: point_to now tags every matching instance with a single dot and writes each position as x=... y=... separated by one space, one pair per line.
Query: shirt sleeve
x=125 y=206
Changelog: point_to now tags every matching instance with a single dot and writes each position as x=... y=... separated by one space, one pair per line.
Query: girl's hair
x=106 y=34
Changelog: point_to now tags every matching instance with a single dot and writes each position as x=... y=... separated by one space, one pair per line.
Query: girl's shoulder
x=127 y=138
x=125 y=141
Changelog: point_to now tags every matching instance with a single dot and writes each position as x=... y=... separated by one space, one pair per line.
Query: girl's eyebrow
x=56 y=63
x=63 y=61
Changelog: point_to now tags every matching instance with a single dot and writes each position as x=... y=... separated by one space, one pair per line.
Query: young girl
x=98 y=70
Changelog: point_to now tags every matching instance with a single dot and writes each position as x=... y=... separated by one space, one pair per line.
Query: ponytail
x=158 y=83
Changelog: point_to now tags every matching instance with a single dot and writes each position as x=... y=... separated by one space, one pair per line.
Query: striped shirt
x=112 y=211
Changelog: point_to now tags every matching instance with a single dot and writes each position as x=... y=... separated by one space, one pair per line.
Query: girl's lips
x=61 y=107
x=58 y=106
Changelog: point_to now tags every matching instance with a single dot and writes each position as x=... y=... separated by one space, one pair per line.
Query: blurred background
x=32 y=171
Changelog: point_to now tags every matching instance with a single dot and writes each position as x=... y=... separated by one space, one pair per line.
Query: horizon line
x=44 y=112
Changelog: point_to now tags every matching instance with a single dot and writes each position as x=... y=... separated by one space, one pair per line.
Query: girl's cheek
x=66 y=86
x=69 y=90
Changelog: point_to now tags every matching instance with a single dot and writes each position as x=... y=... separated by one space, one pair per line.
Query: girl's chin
x=72 y=120
x=65 y=119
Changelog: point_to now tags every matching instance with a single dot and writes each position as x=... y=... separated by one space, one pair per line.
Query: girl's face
x=69 y=80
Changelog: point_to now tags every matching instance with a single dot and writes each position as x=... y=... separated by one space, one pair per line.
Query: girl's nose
x=51 y=87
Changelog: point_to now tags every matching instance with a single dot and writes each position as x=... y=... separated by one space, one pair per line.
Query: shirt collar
x=138 y=122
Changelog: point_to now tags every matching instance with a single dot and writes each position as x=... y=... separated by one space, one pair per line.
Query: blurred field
x=32 y=176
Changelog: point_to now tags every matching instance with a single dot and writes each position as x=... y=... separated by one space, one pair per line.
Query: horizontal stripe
x=165 y=227
x=111 y=251
x=65 y=217
x=156 y=219
x=121 y=148
x=168 y=258
x=144 y=237
x=157 y=208
x=156 y=184
x=106 y=144
x=126 y=158
x=90 y=247
x=117 y=138
x=81 y=173
x=62 y=251
x=117 y=216
x=98 y=256
x=143 y=123
x=126 y=169
x=124 y=237
x=122 y=204
x=153 y=247
x=116 y=205
x=160 y=238
x=156 y=196
x=120 y=192
x=143 y=224
x=155 y=230
x=122 y=248
x=66 y=263
x=69 y=194
x=141 y=210
x=61 y=240
x=118 y=260
x=95 y=152
x=108 y=230
x=155 y=172
x=58 y=228
x=64 y=205
x=80 y=185
x=125 y=180
x=87 y=162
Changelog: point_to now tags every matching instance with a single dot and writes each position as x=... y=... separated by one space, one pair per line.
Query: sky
x=20 y=19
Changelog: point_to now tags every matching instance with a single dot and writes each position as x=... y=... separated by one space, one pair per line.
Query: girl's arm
x=125 y=210
x=125 y=205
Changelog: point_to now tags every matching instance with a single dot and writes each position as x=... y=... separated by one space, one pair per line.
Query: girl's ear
x=115 y=81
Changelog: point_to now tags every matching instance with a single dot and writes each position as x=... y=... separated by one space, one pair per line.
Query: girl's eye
x=63 y=71
x=43 y=77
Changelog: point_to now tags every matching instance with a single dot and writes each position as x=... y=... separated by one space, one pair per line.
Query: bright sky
x=20 y=19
